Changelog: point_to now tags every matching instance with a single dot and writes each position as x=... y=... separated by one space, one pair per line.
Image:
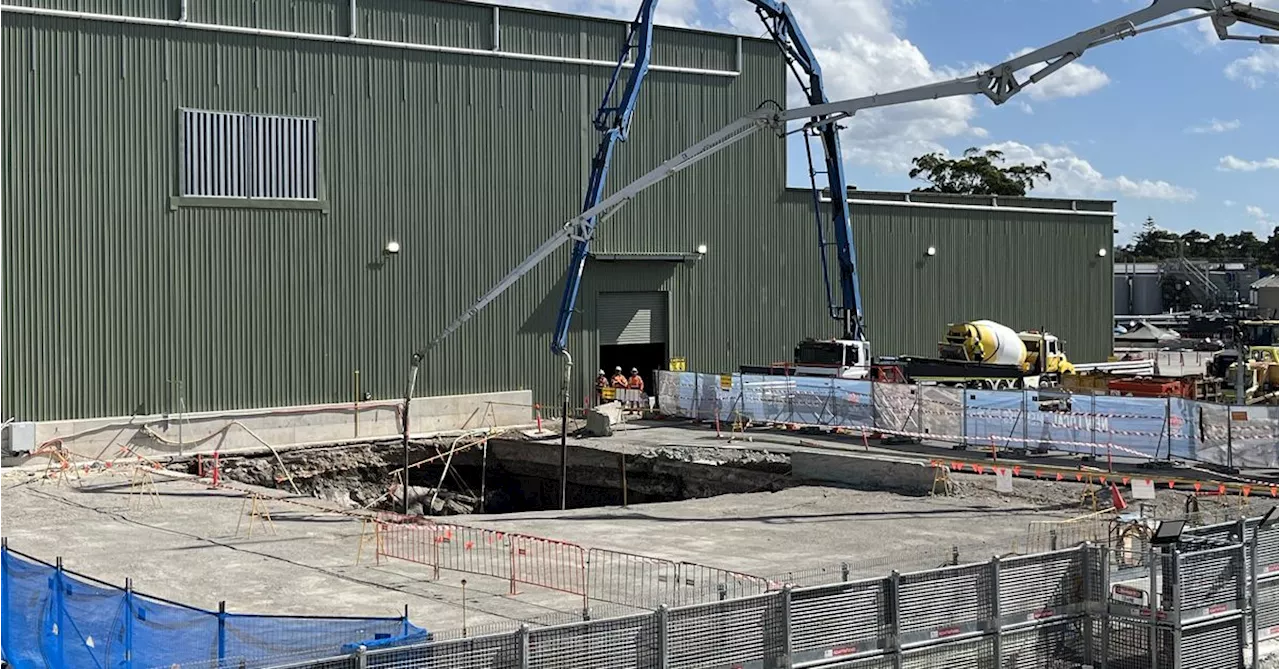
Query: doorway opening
x=647 y=358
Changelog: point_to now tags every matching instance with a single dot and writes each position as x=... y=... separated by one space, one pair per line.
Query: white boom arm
x=998 y=83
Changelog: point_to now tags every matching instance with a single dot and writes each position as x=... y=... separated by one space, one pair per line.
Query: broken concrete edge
x=40 y=463
x=165 y=434
x=874 y=473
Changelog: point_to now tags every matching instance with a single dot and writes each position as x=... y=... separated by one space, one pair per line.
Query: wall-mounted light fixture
x=1102 y=253
x=702 y=249
x=931 y=251
x=392 y=248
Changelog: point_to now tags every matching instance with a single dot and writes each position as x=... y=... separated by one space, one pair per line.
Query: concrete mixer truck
x=983 y=354
x=976 y=354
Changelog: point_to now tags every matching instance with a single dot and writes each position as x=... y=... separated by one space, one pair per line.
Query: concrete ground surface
x=183 y=544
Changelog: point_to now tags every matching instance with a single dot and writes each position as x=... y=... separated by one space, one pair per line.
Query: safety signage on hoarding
x=726 y=382
x=676 y=365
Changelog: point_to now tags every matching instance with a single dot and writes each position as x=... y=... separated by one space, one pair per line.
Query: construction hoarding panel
x=942 y=410
x=1040 y=420
x=896 y=408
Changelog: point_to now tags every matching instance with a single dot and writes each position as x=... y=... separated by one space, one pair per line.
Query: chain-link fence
x=1183 y=608
x=1033 y=420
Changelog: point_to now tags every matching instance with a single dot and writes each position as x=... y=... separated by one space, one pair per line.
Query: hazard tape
x=948 y=437
x=1087 y=476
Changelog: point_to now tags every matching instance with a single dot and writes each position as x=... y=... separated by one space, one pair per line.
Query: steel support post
x=1093 y=426
x=1087 y=577
x=993 y=623
x=222 y=630
x=1104 y=571
x=1026 y=446
x=1175 y=611
x=783 y=642
x=564 y=430
x=895 y=624
x=1253 y=595
x=1168 y=428
x=5 y=630
x=522 y=640
x=1153 y=586
x=60 y=615
x=128 y=623
x=660 y=618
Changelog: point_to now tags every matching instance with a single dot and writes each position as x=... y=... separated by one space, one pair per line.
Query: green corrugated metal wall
x=114 y=301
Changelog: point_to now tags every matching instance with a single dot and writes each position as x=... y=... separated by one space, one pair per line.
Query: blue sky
x=1173 y=124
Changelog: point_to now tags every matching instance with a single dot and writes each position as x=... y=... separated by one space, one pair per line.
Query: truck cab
x=1055 y=358
x=842 y=358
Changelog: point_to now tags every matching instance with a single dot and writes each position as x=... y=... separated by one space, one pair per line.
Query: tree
x=1154 y=243
x=976 y=173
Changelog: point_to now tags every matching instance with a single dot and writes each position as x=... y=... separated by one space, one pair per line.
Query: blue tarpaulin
x=55 y=618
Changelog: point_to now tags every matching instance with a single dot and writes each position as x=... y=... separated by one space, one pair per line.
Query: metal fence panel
x=1216 y=645
x=487 y=652
x=875 y=662
x=1210 y=580
x=633 y=580
x=630 y=642
x=833 y=621
x=1126 y=643
x=1268 y=560
x=1040 y=586
x=740 y=633
x=1059 y=644
x=1268 y=609
x=978 y=653
x=700 y=583
x=967 y=589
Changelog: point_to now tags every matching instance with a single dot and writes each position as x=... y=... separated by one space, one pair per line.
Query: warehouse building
x=201 y=196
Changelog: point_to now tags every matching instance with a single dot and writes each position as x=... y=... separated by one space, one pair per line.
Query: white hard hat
x=601 y=372
x=618 y=368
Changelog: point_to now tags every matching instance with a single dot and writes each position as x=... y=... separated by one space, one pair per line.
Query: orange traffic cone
x=1117 y=500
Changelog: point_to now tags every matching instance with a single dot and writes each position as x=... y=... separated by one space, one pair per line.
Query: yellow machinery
x=1260 y=374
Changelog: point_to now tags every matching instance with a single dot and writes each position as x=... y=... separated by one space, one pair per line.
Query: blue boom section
x=613 y=120
x=786 y=33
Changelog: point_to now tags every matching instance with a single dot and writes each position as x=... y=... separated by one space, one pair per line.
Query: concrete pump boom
x=998 y=84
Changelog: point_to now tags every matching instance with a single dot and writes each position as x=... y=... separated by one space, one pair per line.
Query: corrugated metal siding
x=419 y=21
x=112 y=298
x=1025 y=270
x=681 y=48
x=152 y=9
x=530 y=32
x=324 y=17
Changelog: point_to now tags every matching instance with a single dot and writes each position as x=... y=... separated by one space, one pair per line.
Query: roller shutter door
x=632 y=318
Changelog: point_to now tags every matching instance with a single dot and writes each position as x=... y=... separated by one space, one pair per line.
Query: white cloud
x=1073 y=176
x=1234 y=164
x=1261 y=218
x=1073 y=80
x=1255 y=69
x=1228 y=203
x=1026 y=108
x=1214 y=126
